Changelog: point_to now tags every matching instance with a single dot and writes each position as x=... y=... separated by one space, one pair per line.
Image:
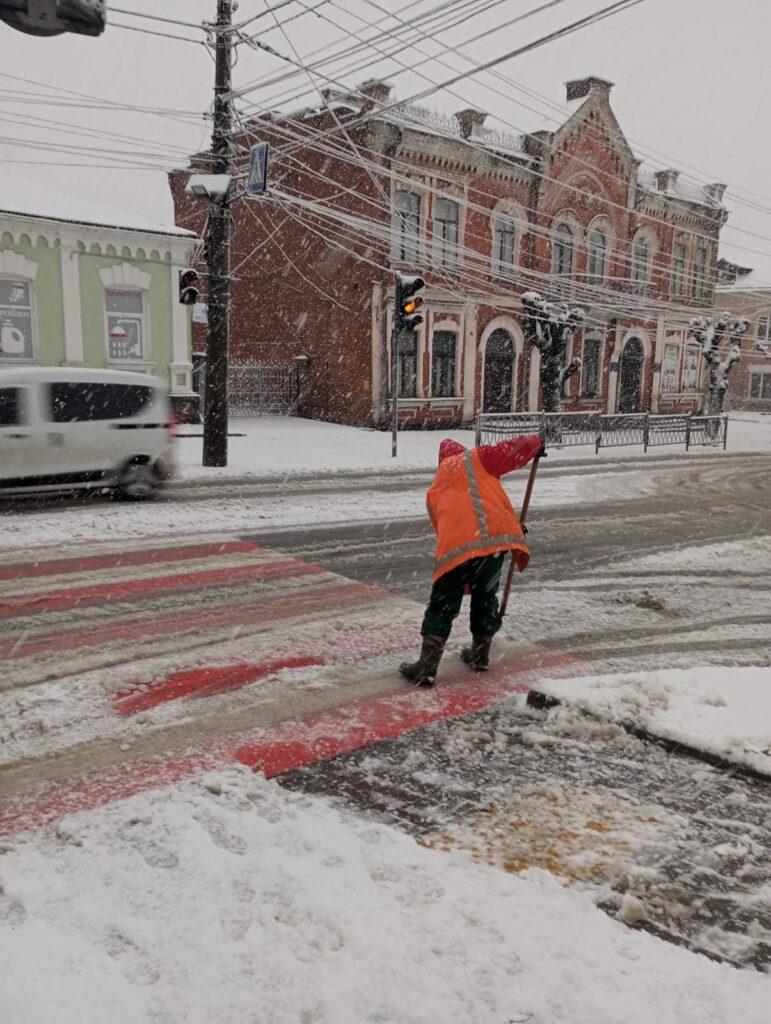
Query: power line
x=154 y=17
x=155 y=32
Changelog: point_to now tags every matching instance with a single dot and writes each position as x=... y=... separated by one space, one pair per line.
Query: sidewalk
x=284 y=446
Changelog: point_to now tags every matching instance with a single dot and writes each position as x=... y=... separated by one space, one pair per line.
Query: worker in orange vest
x=475 y=526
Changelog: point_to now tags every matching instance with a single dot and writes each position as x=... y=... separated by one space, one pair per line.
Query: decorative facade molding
x=13 y=264
x=127 y=275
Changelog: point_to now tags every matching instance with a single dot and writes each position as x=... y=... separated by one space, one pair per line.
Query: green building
x=85 y=287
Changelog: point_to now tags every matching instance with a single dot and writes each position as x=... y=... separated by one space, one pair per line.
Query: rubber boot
x=477 y=656
x=423 y=671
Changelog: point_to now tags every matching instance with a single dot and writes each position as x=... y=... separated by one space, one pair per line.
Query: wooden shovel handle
x=522 y=517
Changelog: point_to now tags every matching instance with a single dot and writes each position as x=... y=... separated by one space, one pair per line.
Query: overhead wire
x=576 y=190
x=444 y=12
x=457 y=50
x=154 y=17
x=154 y=32
x=460 y=181
x=634 y=306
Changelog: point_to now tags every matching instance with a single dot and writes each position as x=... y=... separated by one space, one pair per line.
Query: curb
x=541 y=701
x=574 y=467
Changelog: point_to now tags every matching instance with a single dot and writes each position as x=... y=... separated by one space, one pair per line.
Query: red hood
x=449 y=447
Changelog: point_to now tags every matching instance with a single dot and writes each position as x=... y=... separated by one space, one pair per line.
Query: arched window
x=503 y=245
x=596 y=255
x=641 y=259
x=678 y=270
x=499 y=372
x=562 y=251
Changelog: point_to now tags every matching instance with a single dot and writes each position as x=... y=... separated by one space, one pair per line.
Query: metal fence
x=261 y=389
x=605 y=430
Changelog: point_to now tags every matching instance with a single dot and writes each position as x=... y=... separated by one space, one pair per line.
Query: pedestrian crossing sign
x=256 y=183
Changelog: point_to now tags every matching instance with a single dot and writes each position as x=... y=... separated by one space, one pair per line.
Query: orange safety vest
x=472 y=515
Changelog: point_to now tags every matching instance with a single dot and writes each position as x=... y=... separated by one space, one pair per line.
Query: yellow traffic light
x=412 y=305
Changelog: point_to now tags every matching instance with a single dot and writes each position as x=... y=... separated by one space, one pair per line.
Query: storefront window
x=16 y=320
x=125 y=314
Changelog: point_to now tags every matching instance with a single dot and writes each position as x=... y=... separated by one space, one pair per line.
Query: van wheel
x=137 y=482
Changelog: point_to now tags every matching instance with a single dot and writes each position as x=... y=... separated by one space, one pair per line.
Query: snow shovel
x=522 y=517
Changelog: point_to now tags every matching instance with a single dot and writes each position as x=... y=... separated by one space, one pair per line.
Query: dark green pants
x=482 y=575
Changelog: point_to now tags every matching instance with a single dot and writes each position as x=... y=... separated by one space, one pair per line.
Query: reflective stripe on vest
x=486 y=539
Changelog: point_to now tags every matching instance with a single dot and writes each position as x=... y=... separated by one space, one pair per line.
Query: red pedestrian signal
x=188 y=287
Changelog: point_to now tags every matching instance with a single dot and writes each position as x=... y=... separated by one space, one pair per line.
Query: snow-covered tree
x=549 y=328
x=709 y=335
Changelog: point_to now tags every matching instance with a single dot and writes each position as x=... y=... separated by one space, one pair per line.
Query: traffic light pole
x=395 y=331
x=406 y=317
x=215 y=423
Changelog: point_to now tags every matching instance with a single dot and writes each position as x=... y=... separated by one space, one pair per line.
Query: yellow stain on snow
x=573 y=832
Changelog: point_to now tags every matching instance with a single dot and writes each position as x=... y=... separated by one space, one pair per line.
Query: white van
x=63 y=428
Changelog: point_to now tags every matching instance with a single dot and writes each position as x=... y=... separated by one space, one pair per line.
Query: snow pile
x=232 y=900
x=723 y=711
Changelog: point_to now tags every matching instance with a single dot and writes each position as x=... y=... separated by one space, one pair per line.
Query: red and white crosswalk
x=134 y=664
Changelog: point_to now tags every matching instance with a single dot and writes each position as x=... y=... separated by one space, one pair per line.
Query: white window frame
x=761 y=375
x=641 y=270
x=406 y=246
x=504 y=267
x=131 y=278
x=562 y=233
x=142 y=317
x=592 y=275
x=699 y=274
x=760 y=336
x=679 y=275
x=593 y=336
x=447 y=256
x=677 y=346
x=696 y=351
x=456 y=332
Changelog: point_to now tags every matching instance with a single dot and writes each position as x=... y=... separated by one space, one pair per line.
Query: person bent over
x=475 y=525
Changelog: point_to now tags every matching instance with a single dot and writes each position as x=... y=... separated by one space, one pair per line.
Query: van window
x=10 y=407
x=77 y=401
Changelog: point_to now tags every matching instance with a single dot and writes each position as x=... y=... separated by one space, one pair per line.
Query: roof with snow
x=687 y=191
x=435 y=122
x=735 y=277
x=28 y=198
x=667 y=183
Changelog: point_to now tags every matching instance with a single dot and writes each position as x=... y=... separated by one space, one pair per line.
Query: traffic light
x=52 y=17
x=408 y=302
x=188 y=287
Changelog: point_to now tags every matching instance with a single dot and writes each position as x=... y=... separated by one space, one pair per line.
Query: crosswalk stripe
x=92 y=563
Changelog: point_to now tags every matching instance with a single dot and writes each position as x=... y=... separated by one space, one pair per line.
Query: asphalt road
x=697 y=503
x=521 y=788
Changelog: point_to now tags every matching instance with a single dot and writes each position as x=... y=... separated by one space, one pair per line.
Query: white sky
x=691 y=78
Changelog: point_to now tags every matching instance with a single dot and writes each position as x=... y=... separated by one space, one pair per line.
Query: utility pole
x=395 y=335
x=215 y=422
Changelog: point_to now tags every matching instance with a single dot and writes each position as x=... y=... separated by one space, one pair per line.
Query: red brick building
x=740 y=292
x=361 y=189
